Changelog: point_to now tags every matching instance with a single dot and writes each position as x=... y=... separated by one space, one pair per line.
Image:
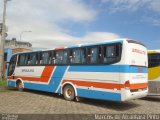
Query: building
x=17 y=44
x=11 y=47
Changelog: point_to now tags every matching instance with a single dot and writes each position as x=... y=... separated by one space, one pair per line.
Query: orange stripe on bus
x=105 y=85
x=44 y=77
x=95 y=84
x=60 y=48
x=138 y=86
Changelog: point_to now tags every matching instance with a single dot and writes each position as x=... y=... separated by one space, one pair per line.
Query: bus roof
x=98 y=43
x=153 y=51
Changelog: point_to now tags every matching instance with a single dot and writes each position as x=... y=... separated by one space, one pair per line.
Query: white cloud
x=150 y=6
x=123 y=5
x=133 y=5
x=155 y=5
x=51 y=10
x=43 y=18
x=154 y=20
x=62 y=39
x=98 y=37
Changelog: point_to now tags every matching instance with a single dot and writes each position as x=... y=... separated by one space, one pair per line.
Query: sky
x=57 y=23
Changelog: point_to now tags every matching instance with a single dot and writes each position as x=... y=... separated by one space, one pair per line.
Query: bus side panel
x=54 y=81
x=97 y=82
x=103 y=95
x=51 y=84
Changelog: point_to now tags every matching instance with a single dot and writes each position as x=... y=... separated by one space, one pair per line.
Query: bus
x=154 y=72
x=115 y=70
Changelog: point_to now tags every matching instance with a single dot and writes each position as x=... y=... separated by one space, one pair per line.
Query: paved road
x=33 y=102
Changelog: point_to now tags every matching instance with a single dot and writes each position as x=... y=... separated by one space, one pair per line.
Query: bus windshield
x=12 y=65
x=153 y=60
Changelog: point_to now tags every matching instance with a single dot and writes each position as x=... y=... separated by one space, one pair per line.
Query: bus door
x=12 y=65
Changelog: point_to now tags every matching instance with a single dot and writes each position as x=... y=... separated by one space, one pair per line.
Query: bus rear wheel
x=19 y=86
x=69 y=93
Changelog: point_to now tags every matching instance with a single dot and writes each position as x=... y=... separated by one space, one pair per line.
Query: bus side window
x=50 y=58
x=77 y=56
x=61 y=57
x=58 y=57
x=71 y=56
x=21 y=59
x=65 y=57
x=93 y=54
x=26 y=59
x=34 y=59
x=45 y=58
x=29 y=59
x=53 y=57
x=83 y=55
x=111 y=53
x=40 y=58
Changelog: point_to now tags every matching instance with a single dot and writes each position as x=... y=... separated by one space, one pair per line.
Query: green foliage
x=3 y=83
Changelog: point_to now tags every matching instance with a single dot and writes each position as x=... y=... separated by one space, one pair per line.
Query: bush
x=3 y=83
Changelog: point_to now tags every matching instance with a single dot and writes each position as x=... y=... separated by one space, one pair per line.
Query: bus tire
x=19 y=85
x=68 y=92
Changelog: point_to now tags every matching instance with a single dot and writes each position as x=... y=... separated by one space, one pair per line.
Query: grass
x=3 y=83
x=3 y=86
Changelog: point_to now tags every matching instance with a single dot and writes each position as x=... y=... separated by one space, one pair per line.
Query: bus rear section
x=134 y=78
x=154 y=72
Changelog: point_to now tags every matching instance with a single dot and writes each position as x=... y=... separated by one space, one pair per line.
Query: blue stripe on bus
x=103 y=95
x=54 y=82
x=74 y=46
x=57 y=77
x=59 y=90
x=108 y=68
x=11 y=83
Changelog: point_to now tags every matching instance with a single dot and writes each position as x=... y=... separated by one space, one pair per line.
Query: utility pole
x=2 y=41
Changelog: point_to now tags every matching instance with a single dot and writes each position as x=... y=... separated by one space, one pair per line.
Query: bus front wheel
x=19 y=86
x=69 y=93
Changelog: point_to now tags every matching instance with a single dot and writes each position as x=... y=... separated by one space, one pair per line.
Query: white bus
x=154 y=72
x=114 y=70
